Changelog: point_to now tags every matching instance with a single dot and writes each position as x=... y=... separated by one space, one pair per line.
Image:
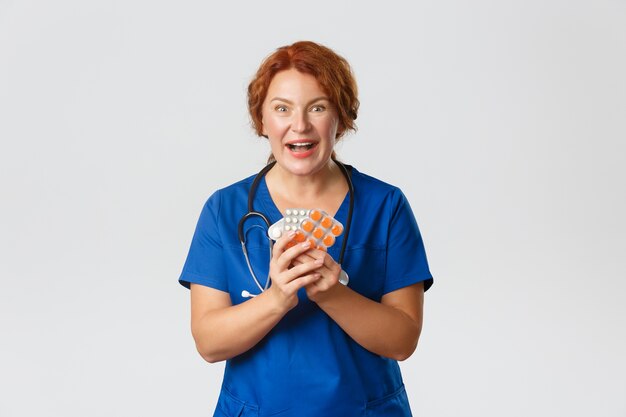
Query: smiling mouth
x=301 y=147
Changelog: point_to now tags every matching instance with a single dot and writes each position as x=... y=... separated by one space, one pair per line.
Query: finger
x=303 y=281
x=279 y=246
x=329 y=262
x=317 y=253
x=285 y=259
x=305 y=257
x=301 y=270
x=329 y=268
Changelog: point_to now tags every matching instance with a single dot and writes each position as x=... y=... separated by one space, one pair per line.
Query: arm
x=390 y=328
x=222 y=331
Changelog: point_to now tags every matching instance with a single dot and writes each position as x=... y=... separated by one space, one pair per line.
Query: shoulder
x=228 y=199
x=369 y=187
x=229 y=191
x=241 y=185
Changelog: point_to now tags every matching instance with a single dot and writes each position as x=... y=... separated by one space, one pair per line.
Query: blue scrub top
x=307 y=365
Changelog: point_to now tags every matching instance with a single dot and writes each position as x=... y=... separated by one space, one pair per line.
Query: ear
x=341 y=129
x=263 y=130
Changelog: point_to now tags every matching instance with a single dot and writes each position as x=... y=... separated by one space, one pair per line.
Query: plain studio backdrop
x=503 y=122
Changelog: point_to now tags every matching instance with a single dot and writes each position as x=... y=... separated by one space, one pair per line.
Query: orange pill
x=318 y=233
x=299 y=237
x=336 y=230
x=313 y=243
x=322 y=248
x=326 y=222
x=315 y=215
x=329 y=240
x=290 y=244
x=307 y=226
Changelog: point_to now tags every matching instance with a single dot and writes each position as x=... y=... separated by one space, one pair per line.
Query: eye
x=281 y=108
x=318 y=108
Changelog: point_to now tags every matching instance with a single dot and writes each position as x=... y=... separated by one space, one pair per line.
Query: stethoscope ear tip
x=246 y=294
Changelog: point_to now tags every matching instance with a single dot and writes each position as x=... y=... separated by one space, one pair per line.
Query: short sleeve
x=406 y=255
x=204 y=264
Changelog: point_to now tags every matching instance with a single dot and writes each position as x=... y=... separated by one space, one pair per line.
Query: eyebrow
x=291 y=102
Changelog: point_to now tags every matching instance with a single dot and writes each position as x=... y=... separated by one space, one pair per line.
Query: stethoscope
x=252 y=213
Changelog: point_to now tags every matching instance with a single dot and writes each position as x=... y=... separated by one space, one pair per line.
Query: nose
x=300 y=122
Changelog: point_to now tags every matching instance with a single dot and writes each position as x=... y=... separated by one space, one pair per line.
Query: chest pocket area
x=366 y=267
x=393 y=405
x=229 y=406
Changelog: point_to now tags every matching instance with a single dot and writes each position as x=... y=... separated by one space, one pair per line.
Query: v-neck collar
x=274 y=215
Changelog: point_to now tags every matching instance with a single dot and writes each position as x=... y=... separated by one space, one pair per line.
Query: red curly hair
x=332 y=72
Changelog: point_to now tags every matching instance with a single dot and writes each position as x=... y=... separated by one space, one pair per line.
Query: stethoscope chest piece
x=343 y=277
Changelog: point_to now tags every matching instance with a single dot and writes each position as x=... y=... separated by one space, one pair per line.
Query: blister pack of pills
x=309 y=224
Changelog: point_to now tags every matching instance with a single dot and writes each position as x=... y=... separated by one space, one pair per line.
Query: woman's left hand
x=329 y=271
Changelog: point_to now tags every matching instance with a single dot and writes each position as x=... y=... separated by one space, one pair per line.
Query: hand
x=328 y=269
x=288 y=278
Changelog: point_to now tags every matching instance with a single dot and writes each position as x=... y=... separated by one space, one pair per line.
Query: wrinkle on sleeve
x=205 y=262
x=406 y=262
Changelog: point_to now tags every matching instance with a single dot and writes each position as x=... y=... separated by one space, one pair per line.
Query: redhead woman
x=323 y=334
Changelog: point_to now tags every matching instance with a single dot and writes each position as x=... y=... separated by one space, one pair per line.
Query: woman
x=307 y=345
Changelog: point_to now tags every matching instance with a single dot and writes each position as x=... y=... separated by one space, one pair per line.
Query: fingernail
x=291 y=234
x=319 y=261
x=306 y=244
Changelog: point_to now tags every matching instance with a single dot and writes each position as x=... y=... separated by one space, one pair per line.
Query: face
x=300 y=122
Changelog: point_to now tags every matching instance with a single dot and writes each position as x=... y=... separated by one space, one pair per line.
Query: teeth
x=300 y=147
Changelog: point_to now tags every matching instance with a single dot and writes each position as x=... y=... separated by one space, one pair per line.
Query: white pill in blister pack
x=309 y=224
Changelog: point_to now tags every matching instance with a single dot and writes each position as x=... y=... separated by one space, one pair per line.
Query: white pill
x=294 y=220
x=287 y=227
x=276 y=233
x=288 y=212
x=302 y=212
x=288 y=220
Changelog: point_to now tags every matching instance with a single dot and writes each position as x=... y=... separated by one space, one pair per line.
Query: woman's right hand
x=286 y=278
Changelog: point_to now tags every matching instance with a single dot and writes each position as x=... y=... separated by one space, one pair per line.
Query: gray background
x=503 y=122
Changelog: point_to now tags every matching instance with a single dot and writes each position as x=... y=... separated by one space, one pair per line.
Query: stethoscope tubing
x=346 y=174
x=252 y=213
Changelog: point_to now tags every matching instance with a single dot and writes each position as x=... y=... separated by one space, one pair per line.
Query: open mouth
x=301 y=147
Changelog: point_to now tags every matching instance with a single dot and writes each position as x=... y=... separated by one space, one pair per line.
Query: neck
x=301 y=185
x=304 y=188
